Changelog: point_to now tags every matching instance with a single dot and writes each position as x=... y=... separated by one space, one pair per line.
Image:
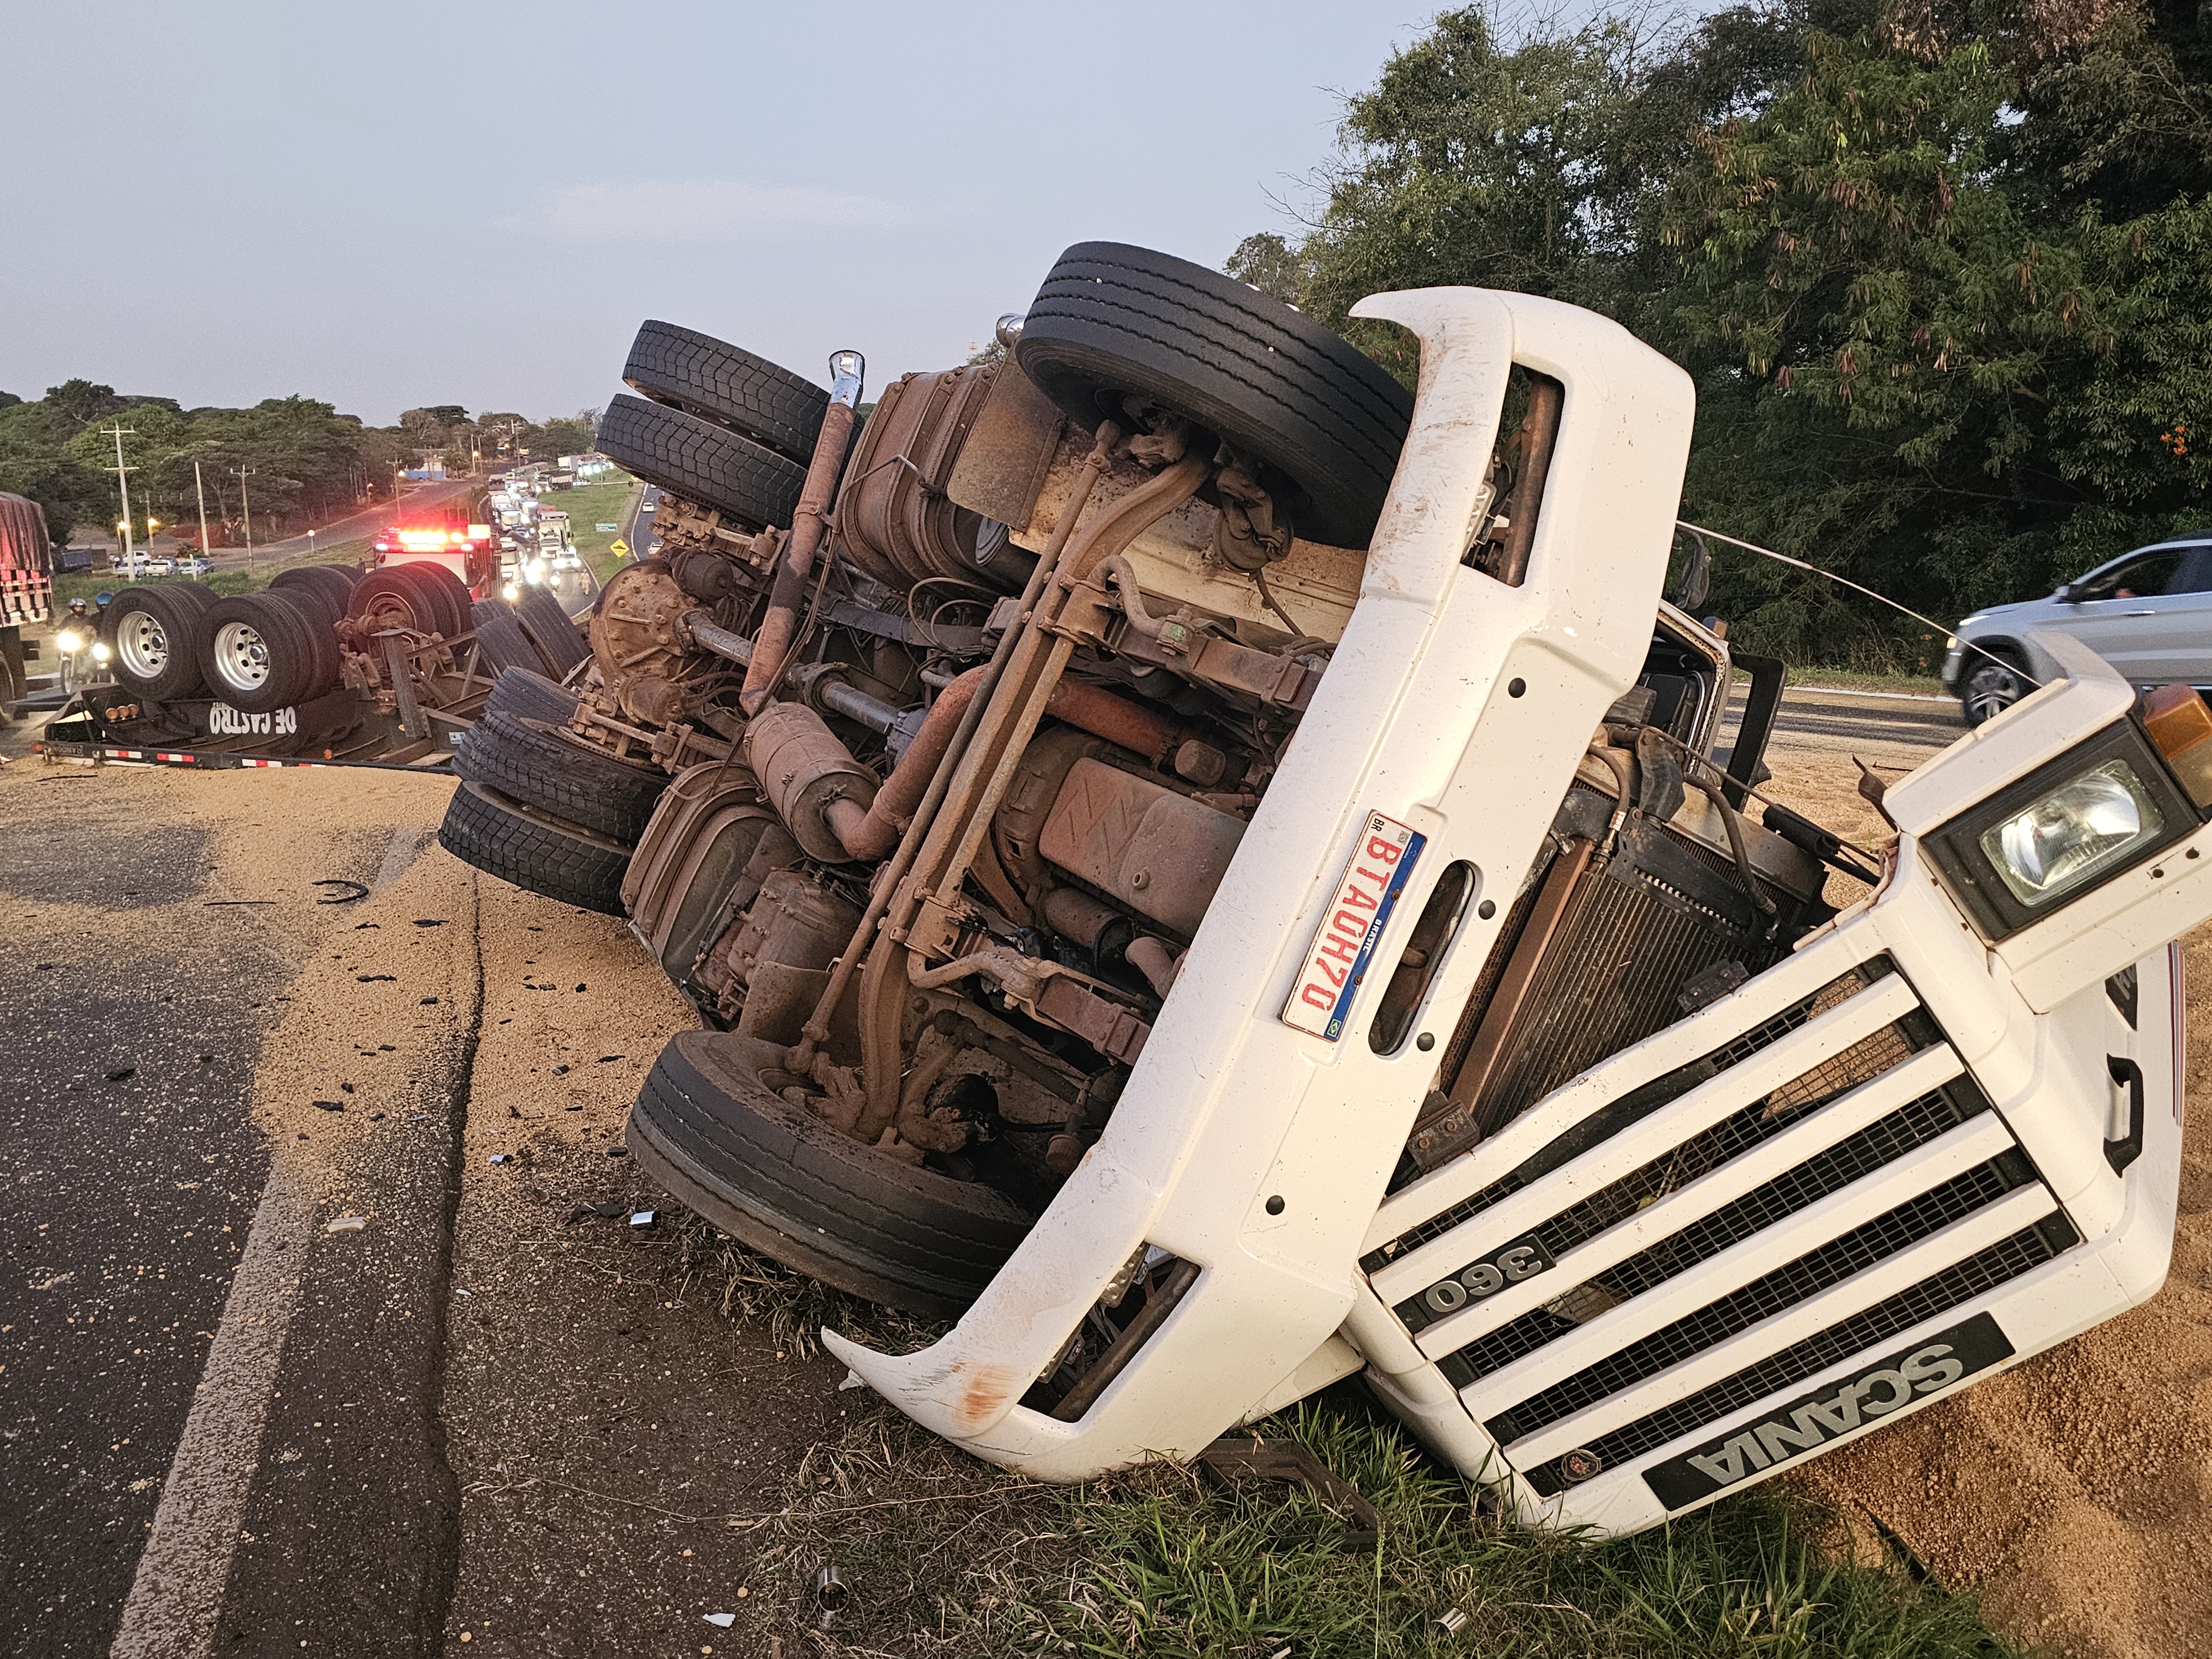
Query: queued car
x=2149 y=613
x=1220 y=875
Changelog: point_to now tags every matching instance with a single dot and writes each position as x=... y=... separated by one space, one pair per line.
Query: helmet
x=76 y=607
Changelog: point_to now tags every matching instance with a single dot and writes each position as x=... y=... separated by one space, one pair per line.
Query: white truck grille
x=1824 y=1182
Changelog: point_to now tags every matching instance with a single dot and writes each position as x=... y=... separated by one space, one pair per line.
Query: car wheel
x=1113 y=323
x=702 y=462
x=256 y=653
x=1992 y=689
x=778 y=1177
x=534 y=850
x=528 y=760
x=151 y=633
x=703 y=376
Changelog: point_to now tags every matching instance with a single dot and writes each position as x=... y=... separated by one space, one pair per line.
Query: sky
x=392 y=205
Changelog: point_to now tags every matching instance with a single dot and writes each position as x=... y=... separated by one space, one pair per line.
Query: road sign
x=619 y=547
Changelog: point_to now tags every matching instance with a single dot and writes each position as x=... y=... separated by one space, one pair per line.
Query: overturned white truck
x=1218 y=873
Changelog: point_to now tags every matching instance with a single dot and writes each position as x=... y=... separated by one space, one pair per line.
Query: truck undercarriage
x=1220 y=875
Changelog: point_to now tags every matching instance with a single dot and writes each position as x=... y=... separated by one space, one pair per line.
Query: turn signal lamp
x=2180 y=728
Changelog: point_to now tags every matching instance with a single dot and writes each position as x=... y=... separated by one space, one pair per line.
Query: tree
x=1942 y=268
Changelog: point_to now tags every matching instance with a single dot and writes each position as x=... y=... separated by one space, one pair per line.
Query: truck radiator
x=1806 y=1193
x=1601 y=949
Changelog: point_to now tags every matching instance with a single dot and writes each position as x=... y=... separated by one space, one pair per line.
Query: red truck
x=26 y=590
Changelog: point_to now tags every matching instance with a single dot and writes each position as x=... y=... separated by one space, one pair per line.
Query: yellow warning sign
x=619 y=547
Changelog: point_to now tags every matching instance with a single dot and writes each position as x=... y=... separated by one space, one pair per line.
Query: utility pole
x=246 y=508
x=119 y=432
x=200 y=490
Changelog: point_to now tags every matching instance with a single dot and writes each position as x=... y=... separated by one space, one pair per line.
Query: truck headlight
x=2087 y=824
x=2070 y=825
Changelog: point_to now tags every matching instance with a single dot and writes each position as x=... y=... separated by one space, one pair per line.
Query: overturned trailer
x=1219 y=875
x=328 y=666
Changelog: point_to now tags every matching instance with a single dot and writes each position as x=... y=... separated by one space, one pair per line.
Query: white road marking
x=178 y=1592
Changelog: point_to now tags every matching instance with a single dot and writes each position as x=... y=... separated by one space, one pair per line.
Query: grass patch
x=588 y=506
x=945 y=1555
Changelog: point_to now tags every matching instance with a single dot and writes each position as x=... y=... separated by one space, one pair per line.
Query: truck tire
x=700 y=462
x=257 y=652
x=505 y=647
x=706 y=377
x=528 y=694
x=534 y=850
x=150 y=631
x=527 y=761
x=552 y=630
x=322 y=589
x=449 y=600
x=403 y=596
x=1113 y=321
x=779 y=1178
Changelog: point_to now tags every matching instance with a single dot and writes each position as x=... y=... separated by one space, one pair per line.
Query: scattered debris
x=347 y=1223
x=852 y=1380
x=121 y=1073
x=721 y=1621
x=328 y=1105
x=579 y=985
x=1454 y=1620
x=371 y=979
x=642 y=1219
x=617 y=1151
x=345 y=1088
x=1236 y=1454
x=830 y=1593
x=429 y=1002
x=430 y=921
x=502 y=1158
x=359 y=891
x=214 y=903
x=605 y=1059
x=607 y=1209
x=560 y=1071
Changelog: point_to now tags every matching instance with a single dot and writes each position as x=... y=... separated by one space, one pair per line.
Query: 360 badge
x=1524 y=1258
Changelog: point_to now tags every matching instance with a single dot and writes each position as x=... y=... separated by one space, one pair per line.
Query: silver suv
x=2149 y=613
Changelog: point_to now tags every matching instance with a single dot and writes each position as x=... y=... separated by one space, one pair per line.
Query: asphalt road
x=169 y=1279
x=1821 y=713
x=638 y=532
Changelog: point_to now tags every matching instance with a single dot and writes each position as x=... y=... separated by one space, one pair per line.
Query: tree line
x=1941 y=270
x=304 y=463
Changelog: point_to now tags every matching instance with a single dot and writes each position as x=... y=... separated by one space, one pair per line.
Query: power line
x=1846 y=581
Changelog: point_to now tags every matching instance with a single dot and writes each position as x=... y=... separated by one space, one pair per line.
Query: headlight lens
x=100 y=651
x=71 y=640
x=2084 y=826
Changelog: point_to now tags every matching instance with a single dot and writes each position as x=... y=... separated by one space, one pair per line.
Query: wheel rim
x=241 y=657
x=142 y=645
x=1990 y=693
